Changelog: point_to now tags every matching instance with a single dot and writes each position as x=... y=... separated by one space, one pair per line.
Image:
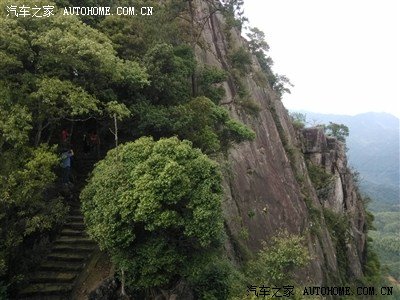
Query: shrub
x=277 y=261
x=154 y=205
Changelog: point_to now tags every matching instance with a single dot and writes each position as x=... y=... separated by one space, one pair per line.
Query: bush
x=211 y=276
x=298 y=120
x=240 y=60
x=277 y=261
x=154 y=205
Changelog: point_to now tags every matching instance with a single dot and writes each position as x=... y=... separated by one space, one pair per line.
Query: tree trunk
x=38 y=136
x=115 y=130
x=123 y=292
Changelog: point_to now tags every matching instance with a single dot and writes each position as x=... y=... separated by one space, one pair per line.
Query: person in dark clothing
x=94 y=143
x=86 y=143
x=66 y=164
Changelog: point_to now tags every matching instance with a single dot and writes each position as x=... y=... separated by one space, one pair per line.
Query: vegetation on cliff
x=57 y=71
x=154 y=204
x=156 y=207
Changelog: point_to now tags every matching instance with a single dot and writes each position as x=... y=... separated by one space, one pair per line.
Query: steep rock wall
x=341 y=194
x=267 y=187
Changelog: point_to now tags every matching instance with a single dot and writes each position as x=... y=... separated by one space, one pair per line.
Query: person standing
x=86 y=143
x=65 y=137
x=66 y=164
x=94 y=144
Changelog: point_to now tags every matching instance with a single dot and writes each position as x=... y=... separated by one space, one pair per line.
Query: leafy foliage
x=240 y=60
x=280 y=84
x=15 y=120
x=234 y=13
x=60 y=68
x=212 y=276
x=207 y=125
x=24 y=178
x=259 y=47
x=209 y=80
x=386 y=242
x=154 y=205
x=322 y=181
x=298 y=119
x=338 y=226
x=169 y=68
x=257 y=40
x=52 y=69
x=339 y=131
x=277 y=260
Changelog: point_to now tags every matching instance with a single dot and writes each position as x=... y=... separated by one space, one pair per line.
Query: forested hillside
x=202 y=184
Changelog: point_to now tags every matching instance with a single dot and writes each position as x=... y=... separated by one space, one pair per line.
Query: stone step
x=48 y=297
x=41 y=290
x=70 y=252
x=75 y=218
x=73 y=248
x=52 y=277
x=67 y=257
x=75 y=225
x=61 y=266
x=75 y=240
x=75 y=211
x=72 y=233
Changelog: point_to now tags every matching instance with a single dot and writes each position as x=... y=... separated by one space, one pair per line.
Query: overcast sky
x=343 y=56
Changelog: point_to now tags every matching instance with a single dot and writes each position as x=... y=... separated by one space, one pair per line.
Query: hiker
x=66 y=164
x=86 y=143
x=94 y=143
x=65 y=135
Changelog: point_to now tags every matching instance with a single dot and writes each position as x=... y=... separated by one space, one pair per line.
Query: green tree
x=257 y=40
x=234 y=13
x=154 y=206
x=241 y=60
x=299 y=120
x=280 y=84
x=259 y=47
x=51 y=69
x=201 y=121
x=210 y=81
x=339 y=131
x=59 y=68
x=277 y=261
x=25 y=209
x=170 y=70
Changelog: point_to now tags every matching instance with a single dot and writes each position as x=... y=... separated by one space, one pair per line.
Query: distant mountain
x=373 y=151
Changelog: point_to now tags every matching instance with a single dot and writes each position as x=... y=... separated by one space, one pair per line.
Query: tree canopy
x=130 y=78
x=52 y=69
x=339 y=131
x=154 y=205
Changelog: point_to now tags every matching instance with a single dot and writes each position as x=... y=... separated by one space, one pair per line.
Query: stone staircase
x=71 y=252
x=57 y=276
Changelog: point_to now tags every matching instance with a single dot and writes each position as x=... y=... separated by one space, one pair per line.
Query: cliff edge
x=271 y=183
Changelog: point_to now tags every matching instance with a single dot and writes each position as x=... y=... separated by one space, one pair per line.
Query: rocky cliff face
x=267 y=183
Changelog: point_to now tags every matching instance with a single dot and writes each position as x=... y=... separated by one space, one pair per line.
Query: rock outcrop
x=267 y=183
x=340 y=194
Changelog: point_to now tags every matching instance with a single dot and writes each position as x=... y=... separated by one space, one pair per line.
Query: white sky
x=343 y=56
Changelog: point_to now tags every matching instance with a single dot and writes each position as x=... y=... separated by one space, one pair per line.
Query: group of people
x=90 y=145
